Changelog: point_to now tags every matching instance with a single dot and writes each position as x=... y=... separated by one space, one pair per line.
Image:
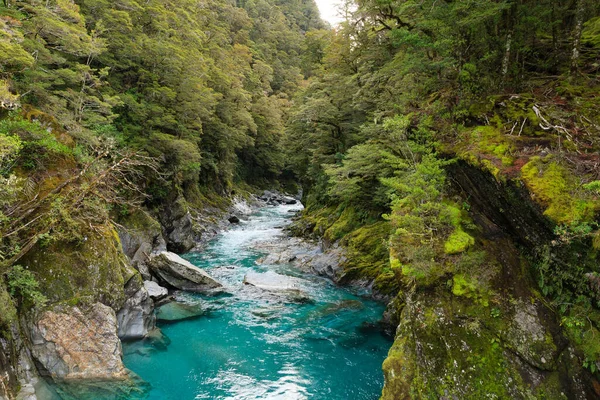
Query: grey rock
x=71 y=343
x=178 y=226
x=181 y=274
x=290 y=200
x=136 y=318
x=181 y=237
x=155 y=291
x=529 y=338
x=283 y=285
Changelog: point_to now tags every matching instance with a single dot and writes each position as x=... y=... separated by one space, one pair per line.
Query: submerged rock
x=181 y=274
x=78 y=343
x=176 y=311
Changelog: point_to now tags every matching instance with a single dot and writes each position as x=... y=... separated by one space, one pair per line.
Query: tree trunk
x=579 y=16
x=506 y=60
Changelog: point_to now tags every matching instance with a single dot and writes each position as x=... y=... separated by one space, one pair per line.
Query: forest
x=450 y=148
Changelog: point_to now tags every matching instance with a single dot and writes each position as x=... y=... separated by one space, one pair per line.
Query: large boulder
x=181 y=274
x=136 y=318
x=71 y=343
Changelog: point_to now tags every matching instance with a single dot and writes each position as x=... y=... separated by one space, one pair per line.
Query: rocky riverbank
x=106 y=290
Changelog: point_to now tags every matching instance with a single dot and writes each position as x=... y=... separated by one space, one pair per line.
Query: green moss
x=368 y=257
x=584 y=334
x=458 y=242
x=435 y=355
x=95 y=270
x=486 y=146
x=347 y=221
x=470 y=287
x=556 y=188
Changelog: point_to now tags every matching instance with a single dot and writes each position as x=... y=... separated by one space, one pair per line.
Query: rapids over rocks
x=274 y=333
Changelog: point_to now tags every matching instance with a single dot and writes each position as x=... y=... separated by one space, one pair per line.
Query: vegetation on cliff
x=458 y=125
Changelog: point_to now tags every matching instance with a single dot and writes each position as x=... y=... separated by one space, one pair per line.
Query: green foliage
x=553 y=185
x=23 y=285
x=29 y=139
x=458 y=242
x=593 y=187
x=8 y=313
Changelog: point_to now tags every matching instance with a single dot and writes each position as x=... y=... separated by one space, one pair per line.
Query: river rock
x=136 y=318
x=155 y=291
x=234 y=219
x=78 y=343
x=176 y=311
x=270 y=281
x=181 y=274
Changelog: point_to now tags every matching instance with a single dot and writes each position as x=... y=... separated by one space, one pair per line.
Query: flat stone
x=181 y=274
x=270 y=281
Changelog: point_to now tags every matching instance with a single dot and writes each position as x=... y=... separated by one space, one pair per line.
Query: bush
x=22 y=284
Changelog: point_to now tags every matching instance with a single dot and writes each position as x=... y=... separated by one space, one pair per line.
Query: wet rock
x=287 y=286
x=275 y=198
x=78 y=343
x=272 y=281
x=181 y=274
x=176 y=311
x=155 y=291
x=136 y=318
x=158 y=340
x=234 y=219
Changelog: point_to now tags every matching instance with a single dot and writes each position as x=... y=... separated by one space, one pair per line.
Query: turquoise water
x=255 y=344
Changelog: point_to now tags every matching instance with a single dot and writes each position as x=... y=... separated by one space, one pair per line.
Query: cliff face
x=497 y=334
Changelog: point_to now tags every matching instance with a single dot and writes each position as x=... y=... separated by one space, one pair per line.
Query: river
x=317 y=341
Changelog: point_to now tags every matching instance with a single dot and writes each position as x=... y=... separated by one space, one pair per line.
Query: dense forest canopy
x=198 y=90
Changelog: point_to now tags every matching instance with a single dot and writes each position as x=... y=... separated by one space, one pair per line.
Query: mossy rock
x=95 y=270
x=446 y=347
x=557 y=189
